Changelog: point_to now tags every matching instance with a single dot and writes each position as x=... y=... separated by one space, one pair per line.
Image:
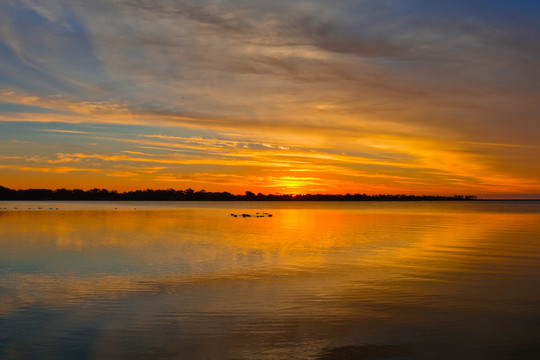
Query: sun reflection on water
x=295 y=283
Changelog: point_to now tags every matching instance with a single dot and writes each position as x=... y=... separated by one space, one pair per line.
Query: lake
x=317 y=280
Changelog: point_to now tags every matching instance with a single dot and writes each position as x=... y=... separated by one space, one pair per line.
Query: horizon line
x=248 y=193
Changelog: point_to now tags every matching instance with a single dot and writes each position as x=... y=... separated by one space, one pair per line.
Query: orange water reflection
x=88 y=251
x=289 y=286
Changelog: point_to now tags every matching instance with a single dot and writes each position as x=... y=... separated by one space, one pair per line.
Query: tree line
x=202 y=195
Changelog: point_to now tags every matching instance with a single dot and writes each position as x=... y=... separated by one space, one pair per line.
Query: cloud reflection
x=315 y=282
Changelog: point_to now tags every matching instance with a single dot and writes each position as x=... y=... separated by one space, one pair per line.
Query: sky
x=305 y=96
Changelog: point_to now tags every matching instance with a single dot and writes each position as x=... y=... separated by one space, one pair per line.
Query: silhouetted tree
x=203 y=195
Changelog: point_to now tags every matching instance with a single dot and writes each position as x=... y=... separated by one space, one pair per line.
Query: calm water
x=395 y=280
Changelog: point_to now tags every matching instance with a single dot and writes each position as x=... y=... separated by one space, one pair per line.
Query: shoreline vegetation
x=203 y=195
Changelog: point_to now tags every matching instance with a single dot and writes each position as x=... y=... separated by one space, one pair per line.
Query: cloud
x=48 y=169
x=419 y=89
x=68 y=131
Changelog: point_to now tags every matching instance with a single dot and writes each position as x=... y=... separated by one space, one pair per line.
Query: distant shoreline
x=202 y=195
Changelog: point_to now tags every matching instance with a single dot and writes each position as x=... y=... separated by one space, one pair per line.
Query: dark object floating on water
x=249 y=215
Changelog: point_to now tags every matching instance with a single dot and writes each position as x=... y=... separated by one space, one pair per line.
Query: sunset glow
x=272 y=96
